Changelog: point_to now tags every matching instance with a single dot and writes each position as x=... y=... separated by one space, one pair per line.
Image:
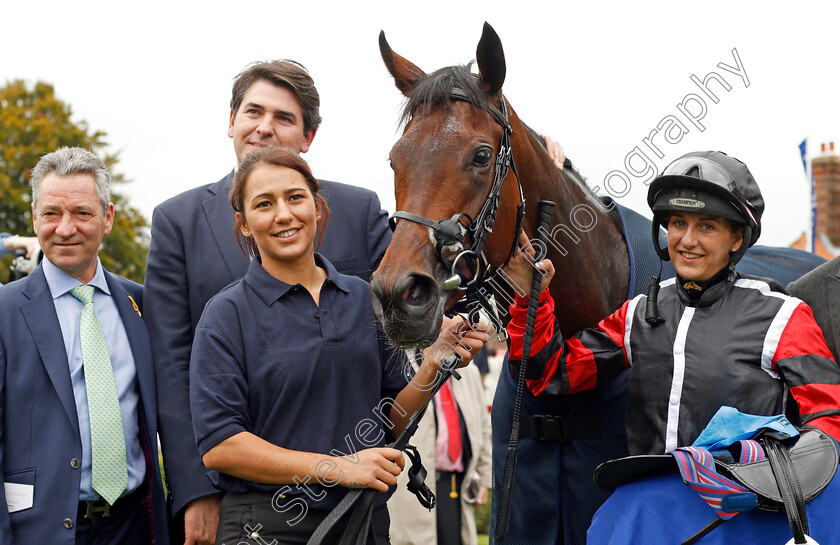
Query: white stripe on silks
x=777 y=326
x=674 y=398
x=628 y=326
x=762 y=287
x=774 y=334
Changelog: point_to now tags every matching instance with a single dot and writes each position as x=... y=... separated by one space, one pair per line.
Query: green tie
x=110 y=471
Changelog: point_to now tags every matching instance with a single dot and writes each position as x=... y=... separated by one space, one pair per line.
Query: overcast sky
x=598 y=77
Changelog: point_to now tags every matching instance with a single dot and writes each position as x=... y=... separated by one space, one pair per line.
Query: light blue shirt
x=69 y=310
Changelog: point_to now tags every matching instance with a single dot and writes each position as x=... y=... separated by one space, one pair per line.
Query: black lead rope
x=361 y=500
x=506 y=490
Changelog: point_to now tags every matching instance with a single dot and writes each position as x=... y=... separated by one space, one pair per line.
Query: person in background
x=10 y=243
x=820 y=290
x=453 y=440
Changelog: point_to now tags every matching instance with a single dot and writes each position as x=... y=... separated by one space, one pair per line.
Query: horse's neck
x=585 y=242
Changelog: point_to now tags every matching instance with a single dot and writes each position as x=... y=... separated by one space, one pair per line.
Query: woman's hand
x=555 y=151
x=375 y=468
x=520 y=270
x=456 y=337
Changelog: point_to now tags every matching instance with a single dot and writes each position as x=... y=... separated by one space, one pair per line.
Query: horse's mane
x=436 y=90
x=573 y=174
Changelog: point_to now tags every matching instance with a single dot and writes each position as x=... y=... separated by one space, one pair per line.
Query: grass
x=483 y=539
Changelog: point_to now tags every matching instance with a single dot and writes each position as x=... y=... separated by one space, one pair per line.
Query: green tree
x=34 y=122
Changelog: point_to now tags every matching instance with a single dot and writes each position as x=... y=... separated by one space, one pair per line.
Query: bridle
x=449 y=232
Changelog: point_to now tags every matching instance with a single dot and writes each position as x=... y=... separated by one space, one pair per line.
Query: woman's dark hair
x=281 y=158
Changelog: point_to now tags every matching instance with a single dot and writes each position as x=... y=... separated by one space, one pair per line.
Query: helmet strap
x=656 y=224
x=652 y=316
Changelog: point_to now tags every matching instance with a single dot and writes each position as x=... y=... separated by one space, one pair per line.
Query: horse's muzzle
x=410 y=312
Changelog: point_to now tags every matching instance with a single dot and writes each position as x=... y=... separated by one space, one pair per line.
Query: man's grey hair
x=69 y=161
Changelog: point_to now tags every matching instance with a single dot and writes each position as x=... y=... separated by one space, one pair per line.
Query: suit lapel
x=833 y=300
x=138 y=339
x=42 y=321
x=220 y=218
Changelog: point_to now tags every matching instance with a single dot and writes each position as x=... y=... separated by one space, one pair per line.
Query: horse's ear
x=491 y=61
x=406 y=75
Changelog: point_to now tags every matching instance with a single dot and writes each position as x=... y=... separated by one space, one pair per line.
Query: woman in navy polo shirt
x=293 y=389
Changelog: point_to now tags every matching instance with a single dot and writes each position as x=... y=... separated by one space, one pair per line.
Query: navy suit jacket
x=40 y=428
x=193 y=255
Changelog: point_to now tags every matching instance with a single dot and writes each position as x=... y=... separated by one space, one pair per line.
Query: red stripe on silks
x=580 y=366
x=543 y=327
x=538 y=385
x=613 y=325
x=801 y=336
x=816 y=398
x=829 y=424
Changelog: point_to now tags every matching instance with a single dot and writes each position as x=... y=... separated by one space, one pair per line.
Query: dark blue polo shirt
x=267 y=360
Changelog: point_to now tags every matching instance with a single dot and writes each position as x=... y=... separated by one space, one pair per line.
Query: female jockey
x=712 y=338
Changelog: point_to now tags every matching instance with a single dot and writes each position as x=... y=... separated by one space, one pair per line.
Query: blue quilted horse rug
x=554 y=494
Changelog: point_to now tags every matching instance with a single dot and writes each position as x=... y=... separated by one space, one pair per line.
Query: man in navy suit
x=194 y=253
x=78 y=445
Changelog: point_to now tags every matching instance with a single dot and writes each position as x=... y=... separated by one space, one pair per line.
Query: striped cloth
x=697 y=467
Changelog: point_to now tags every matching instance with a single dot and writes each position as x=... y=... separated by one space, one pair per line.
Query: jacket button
x=317 y=315
x=68 y=523
x=75 y=463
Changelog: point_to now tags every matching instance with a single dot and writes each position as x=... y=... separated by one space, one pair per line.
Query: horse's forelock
x=436 y=90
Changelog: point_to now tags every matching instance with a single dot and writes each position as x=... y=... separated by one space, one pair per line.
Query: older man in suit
x=820 y=288
x=78 y=440
x=194 y=253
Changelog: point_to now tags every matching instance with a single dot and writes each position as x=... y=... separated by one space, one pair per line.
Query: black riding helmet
x=708 y=182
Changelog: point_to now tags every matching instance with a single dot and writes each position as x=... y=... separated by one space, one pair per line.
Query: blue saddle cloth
x=663 y=510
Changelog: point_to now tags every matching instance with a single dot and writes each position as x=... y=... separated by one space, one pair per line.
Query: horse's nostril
x=416 y=292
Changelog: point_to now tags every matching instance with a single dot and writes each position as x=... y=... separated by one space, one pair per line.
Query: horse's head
x=444 y=165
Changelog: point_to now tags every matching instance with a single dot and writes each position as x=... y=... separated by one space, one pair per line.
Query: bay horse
x=456 y=123
x=443 y=165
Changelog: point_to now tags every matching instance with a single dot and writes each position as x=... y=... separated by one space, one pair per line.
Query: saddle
x=792 y=474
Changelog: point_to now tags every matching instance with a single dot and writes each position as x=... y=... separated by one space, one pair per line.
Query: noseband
x=449 y=232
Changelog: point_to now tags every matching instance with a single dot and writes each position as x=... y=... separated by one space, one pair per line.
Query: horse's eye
x=482 y=157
